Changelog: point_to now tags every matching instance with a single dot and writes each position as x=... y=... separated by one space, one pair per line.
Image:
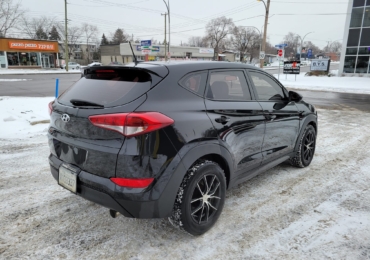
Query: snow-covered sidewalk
x=35 y=71
x=359 y=85
x=319 y=212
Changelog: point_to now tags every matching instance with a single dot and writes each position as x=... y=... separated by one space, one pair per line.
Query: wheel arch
x=212 y=152
x=309 y=120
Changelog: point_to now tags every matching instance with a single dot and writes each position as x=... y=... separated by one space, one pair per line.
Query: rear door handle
x=222 y=119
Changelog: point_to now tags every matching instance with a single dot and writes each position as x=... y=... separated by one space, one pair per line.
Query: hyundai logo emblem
x=65 y=118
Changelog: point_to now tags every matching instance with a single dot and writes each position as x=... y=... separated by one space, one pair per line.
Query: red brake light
x=132 y=124
x=132 y=183
x=50 y=107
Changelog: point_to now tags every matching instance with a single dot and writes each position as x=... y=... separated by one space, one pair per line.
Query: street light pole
x=165 y=36
x=66 y=35
x=169 y=23
x=267 y=7
x=300 y=53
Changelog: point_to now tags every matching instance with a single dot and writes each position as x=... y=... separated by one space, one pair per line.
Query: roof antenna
x=133 y=53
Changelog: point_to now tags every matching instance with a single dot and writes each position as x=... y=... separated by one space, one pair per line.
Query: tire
x=77 y=68
x=190 y=212
x=306 y=150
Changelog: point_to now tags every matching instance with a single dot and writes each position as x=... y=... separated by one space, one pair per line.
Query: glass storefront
x=357 y=59
x=45 y=60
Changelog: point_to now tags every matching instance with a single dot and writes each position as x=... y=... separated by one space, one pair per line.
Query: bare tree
x=333 y=47
x=90 y=32
x=246 y=41
x=195 y=41
x=74 y=35
x=217 y=30
x=31 y=26
x=292 y=40
x=10 y=13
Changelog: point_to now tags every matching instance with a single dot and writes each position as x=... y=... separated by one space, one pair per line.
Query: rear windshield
x=108 y=87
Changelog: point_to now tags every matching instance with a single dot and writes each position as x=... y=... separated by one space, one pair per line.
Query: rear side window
x=195 y=82
x=266 y=87
x=228 y=85
x=108 y=87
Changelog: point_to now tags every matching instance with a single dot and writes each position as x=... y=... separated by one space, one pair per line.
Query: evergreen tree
x=54 y=35
x=104 y=40
x=40 y=34
x=119 y=36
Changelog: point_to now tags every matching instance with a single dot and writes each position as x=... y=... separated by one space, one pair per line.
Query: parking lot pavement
x=317 y=212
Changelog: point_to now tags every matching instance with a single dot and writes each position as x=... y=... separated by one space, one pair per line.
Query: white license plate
x=68 y=179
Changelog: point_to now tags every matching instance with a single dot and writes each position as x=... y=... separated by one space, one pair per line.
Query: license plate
x=67 y=179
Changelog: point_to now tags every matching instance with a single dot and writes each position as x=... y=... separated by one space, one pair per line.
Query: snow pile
x=35 y=71
x=360 y=85
x=318 y=212
x=23 y=117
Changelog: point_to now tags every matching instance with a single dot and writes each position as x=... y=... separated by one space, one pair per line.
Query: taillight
x=132 y=183
x=50 y=106
x=132 y=124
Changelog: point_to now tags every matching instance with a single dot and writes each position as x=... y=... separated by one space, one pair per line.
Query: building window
x=349 y=64
x=351 y=51
x=365 y=37
x=367 y=17
x=356 y=18
x=362 y=65
x=188 y=55
x=364 y=51
x=353 y=37
x=357 y=3
x=368 y=3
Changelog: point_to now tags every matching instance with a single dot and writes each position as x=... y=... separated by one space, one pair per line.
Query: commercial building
x=122 y=53
x=25 y=53
x=355 y=56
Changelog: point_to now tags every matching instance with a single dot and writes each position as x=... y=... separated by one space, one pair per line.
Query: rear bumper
x=133 y=203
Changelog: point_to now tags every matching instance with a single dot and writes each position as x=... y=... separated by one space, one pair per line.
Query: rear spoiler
x=158 y=70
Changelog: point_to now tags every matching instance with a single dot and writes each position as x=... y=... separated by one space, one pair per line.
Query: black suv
x=156 y=140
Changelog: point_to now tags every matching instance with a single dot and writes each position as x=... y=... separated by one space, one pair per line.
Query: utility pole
x=169 y=23
x=165 y=36
x=265 y=30
x=66 y=40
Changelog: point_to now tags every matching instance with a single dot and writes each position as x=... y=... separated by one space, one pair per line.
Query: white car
x=71 y=66
x=95 y=64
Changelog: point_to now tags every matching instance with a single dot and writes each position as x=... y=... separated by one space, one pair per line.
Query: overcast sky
x=189 y=17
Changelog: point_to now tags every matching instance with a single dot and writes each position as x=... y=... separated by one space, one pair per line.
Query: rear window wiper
x=79 y=102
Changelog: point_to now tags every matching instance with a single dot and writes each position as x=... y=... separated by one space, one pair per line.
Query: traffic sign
x=281 y=45
x=309 y=53
x=280 y=53
x=262 y=55
x=146 y=43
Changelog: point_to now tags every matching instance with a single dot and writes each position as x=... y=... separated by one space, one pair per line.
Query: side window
x=195 y=82
x=266 y=87
x=228 y=85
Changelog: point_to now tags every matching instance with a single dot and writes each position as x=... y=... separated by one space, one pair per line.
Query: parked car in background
x=95 y=64
x=71 y=66
x=115 y=63
x=156 y=140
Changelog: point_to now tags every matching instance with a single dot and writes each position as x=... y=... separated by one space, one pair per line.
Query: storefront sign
x=320 y=65
x=30 y=46
x=292 y=67
x=208 y=51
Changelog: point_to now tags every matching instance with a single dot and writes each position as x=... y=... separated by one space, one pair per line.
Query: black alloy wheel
x=206 y=198
x=200 y=198
x=306 y=150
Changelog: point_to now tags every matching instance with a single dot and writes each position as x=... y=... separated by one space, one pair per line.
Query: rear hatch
x=74 y=139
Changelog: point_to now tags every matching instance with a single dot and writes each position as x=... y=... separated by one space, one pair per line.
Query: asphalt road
x=35 y=85
x=43 y=85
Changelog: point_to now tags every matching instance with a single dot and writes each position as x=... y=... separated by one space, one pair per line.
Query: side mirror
x=294 y=96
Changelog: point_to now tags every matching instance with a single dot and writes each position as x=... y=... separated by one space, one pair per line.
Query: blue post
x=56 y=88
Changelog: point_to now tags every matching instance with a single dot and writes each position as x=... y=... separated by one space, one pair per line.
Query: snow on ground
x=22 y=117
x=360 y=85
x=35 y=71
x=319 y=212
x=14 y=79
